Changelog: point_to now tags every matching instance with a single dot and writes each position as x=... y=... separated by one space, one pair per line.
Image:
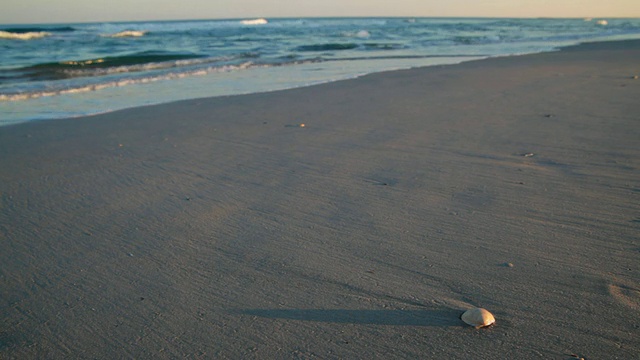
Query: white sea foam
x=260 y=21
x=23 y=36
x=602 y=22
x=127 y=33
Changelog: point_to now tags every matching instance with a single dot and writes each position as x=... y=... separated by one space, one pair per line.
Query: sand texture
x=220 y=228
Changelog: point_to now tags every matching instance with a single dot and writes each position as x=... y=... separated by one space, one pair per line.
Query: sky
x=66 y=11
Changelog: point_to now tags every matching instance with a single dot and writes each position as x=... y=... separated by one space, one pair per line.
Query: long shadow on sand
x=445 y=317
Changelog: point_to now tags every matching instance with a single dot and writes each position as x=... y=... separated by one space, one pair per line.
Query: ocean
x=69 y=70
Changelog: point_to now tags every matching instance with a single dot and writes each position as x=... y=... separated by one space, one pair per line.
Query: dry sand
x=219 y=228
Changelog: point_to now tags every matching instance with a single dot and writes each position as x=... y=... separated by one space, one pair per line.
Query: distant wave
x=23 y=36
x=359 y=34
x=23 y=30
x=260 y=21
x=128 y=33
x=327 y=47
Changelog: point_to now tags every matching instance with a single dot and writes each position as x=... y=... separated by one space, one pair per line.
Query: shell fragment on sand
x=478 y=317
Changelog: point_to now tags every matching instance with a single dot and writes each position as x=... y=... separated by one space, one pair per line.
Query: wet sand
x=221 y=228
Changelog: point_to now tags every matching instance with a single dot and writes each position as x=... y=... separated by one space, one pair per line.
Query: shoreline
x=85 y=101
x=222 y=228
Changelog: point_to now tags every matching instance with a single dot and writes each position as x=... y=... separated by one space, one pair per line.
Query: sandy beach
x=222 y=228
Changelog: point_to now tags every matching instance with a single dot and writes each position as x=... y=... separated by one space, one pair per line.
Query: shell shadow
x=443 y=317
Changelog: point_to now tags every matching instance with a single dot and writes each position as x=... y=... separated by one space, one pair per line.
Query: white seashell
x=478 y=317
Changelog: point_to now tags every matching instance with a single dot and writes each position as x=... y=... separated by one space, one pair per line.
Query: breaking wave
x=30 y=33
x=260 y=21
x=106 y=65
x=23 y=36
x=121 y=82
x=128 y=33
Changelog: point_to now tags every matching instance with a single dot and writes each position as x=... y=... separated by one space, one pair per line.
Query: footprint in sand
x=628 y=295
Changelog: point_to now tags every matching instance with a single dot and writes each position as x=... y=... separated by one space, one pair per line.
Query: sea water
x=55 y=71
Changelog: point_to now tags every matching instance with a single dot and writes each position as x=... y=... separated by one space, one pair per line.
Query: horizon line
x=322 y=17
